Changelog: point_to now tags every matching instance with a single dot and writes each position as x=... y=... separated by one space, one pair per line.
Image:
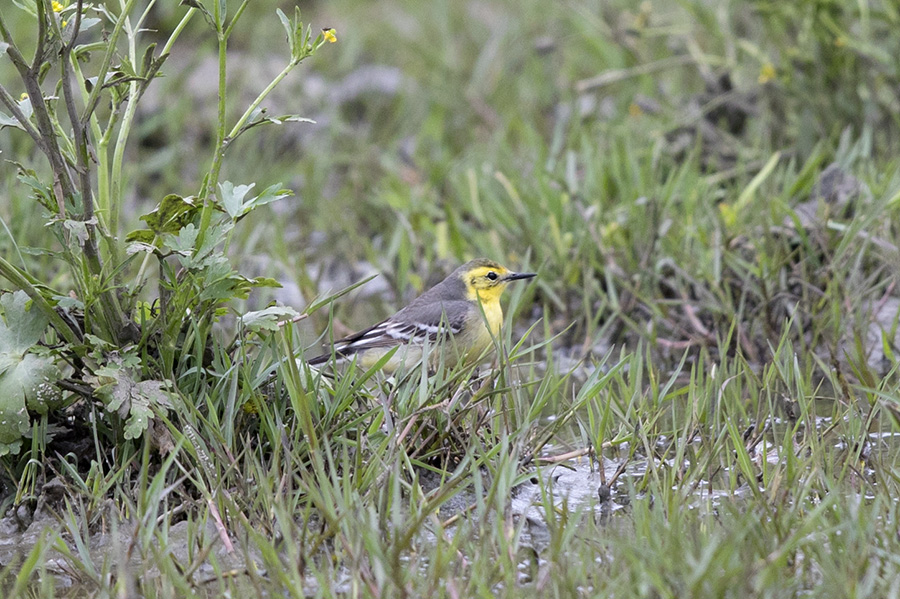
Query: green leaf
x=266 y=282
x=141 y=236
x=13 y=415
x=198 y=258
x=23 y=326
x=289 y=118
x=28 y=6
x=172 y=214
x=78 y=230
x=183 y=243
x=142 y=244
x=147 y=60
x=269 y=318
x=8 y=121
x=116 y=384
x=273 y=193
x=232 y=197
x=25 y=107
x=42 y=193
x=68 y=303
x=288 y=28
x=26 y=379
x=88 y=22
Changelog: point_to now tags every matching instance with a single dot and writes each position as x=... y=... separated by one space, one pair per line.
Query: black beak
x=515 y=276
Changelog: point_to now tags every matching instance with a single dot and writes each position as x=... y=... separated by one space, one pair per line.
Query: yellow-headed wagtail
x=461 y=316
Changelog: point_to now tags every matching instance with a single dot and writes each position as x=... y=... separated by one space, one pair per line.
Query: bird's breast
x=482 y=331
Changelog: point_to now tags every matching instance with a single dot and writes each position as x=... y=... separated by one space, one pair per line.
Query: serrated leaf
x=147 y=60
x=13 y=448
x=184 y=241
x=232 y=197
x=268 y=318
x=144 y=395
x=41 y=192
x=78 y=228
x=173 y=213
x=115 y=384
x=205 y=256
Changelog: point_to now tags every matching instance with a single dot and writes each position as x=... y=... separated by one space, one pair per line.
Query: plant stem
x=262 y=96
x=94 y=97
x=213 y=179
x=178 y=29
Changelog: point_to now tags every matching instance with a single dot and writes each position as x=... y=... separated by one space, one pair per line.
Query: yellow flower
x=63 y=24
x=57 y=6
x=766 y=73
x=330 y=37
x=634 y=110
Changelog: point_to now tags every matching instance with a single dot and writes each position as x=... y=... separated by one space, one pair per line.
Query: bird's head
x=486 y=279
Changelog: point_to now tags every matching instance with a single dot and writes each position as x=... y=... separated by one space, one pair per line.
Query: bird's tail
x=323 y=358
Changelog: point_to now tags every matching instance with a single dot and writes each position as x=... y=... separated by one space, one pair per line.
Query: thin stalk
x=236 y=17
x=209 y=185
x=79 y=128
x=212 y=177
x=94 y=97
x=64 y=185
x=259 y=99
x=42 y=37
x=101 y=155
x=115 y=198
x=122 y=138
x=178 y=29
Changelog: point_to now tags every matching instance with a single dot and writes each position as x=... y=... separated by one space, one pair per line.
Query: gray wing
x=413 y=324
x=417 y=324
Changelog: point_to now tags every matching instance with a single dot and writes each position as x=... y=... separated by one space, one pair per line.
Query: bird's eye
x=492 y=275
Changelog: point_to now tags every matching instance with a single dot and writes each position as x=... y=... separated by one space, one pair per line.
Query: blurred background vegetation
x=711 y=187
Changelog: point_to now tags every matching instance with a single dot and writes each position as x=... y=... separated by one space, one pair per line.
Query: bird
x=458 y=318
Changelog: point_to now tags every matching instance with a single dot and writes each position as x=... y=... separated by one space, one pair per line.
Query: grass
x=723 y=365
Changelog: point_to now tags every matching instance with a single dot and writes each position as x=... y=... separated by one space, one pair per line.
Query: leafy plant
x=91 y=67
